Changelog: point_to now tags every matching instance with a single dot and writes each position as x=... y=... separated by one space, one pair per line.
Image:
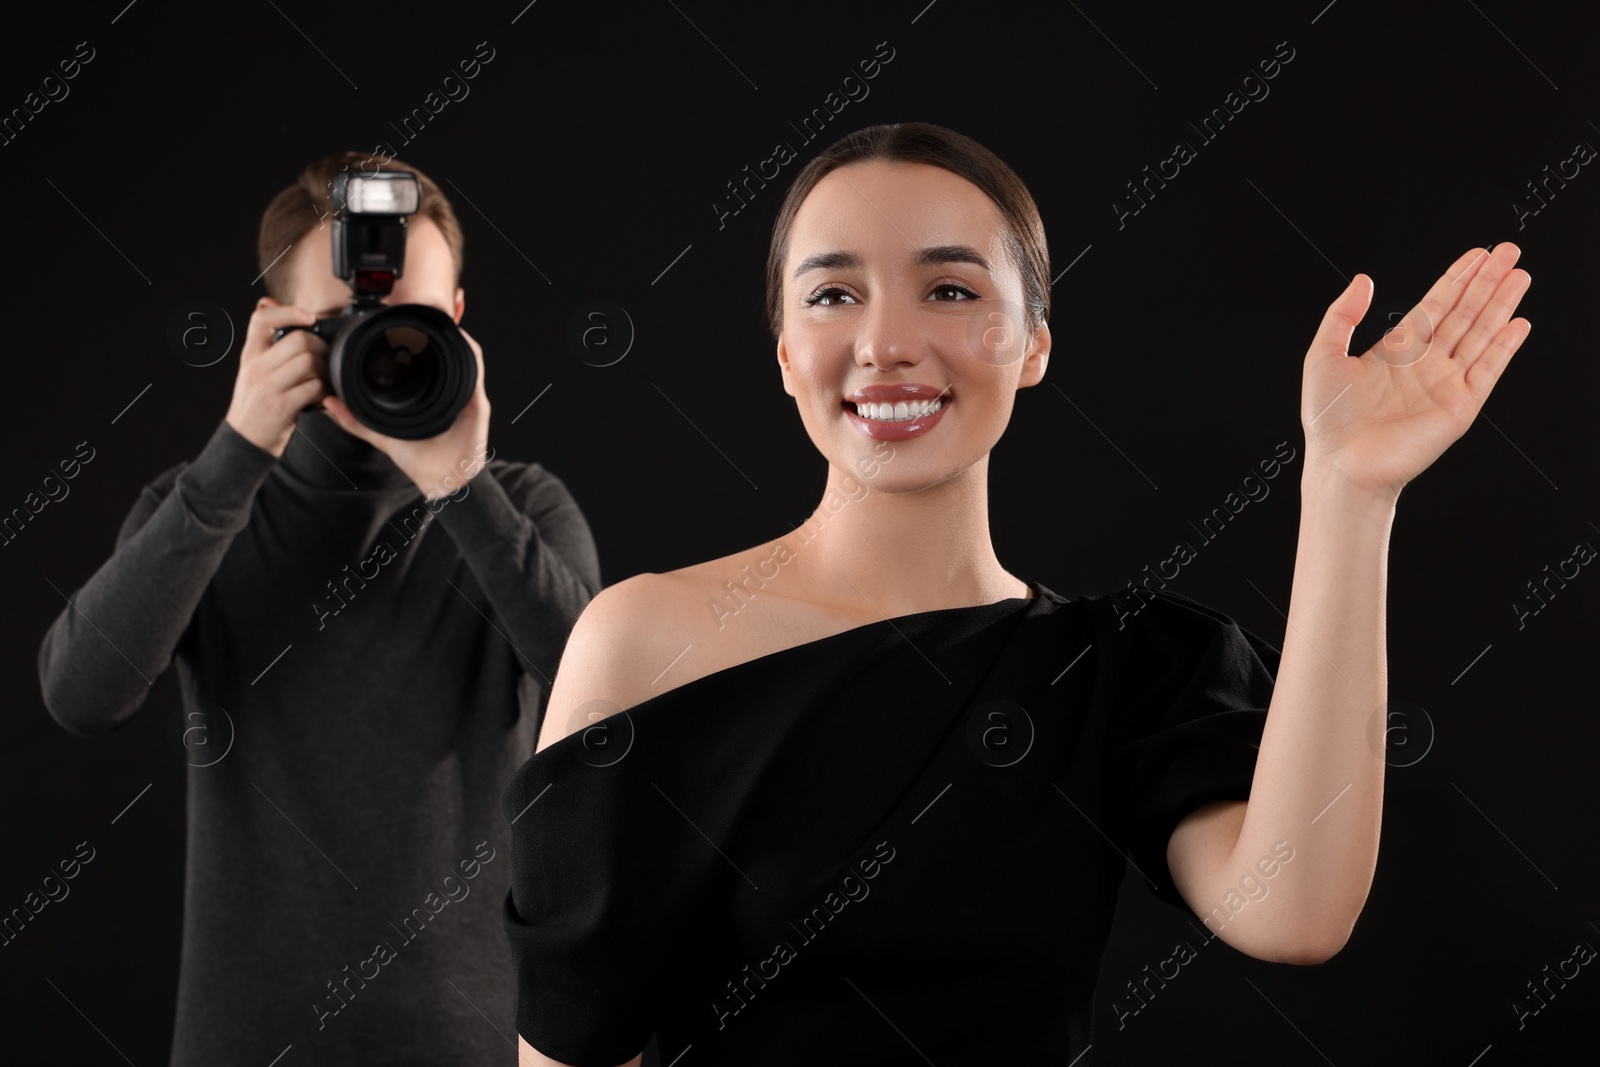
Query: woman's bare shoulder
x=630 y=643
x=647 y=609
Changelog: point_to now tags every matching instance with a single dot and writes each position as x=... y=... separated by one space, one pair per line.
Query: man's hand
x=438 y=465
x=276 y=381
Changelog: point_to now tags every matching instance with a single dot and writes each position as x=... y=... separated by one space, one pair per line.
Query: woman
x=869 y=797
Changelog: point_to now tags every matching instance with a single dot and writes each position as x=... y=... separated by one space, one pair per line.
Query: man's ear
x=461 y=302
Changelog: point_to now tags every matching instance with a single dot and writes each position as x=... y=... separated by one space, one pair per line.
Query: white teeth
x=900 y=411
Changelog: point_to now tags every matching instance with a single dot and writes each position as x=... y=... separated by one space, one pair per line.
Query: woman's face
x=898 y=282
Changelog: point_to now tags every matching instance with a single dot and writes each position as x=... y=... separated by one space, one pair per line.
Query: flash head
x=384 y=193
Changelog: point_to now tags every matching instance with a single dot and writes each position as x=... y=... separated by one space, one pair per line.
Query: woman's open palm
x=1380 y=420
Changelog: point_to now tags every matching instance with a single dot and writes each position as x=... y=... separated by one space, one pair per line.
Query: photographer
x=357 y=686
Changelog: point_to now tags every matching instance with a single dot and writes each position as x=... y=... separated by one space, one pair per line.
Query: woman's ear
x=461 y=303
x=783 y=367
x=1037 y=356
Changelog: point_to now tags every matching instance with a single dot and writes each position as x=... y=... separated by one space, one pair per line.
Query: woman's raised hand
x=1380 y=420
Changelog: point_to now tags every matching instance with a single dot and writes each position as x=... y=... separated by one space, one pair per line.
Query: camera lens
x=400 y=365
x=405 y=370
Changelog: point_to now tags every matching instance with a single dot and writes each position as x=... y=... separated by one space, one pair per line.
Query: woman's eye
x=951 y=287
x=826 y=297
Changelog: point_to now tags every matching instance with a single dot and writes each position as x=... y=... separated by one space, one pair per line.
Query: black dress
x=897 y=843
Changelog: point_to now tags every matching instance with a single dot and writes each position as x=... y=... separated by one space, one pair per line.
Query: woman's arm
x=1372 y=424
x=528 y=1056
x=604 y=668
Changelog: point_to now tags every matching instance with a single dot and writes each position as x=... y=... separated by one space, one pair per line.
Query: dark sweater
x=358 y=687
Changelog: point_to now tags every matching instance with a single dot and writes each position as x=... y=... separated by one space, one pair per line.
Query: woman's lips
x=881 y=430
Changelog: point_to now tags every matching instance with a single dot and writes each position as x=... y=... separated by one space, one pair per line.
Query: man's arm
x=534 y=556
x=117 y=634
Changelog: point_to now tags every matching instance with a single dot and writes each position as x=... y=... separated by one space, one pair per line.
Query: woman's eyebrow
x=939 y=255
x=827 y=261
x=926 y=257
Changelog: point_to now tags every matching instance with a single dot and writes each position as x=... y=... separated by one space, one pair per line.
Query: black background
x=592 y=148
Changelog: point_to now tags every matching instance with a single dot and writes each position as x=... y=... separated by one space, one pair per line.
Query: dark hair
x=299 y=208
x=924 y=142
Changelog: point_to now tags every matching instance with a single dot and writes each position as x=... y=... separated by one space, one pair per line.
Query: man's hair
x=307 y=204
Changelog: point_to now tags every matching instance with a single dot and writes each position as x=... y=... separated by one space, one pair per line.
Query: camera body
x=404 y=370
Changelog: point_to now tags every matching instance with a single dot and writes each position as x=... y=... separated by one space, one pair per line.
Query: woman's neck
x=906 y=552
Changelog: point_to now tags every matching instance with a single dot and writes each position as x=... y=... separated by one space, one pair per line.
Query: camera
x=405 y=370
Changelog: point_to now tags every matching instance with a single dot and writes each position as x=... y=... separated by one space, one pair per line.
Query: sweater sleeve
x=117 y=634
x=532 y=552
x=1195 y=691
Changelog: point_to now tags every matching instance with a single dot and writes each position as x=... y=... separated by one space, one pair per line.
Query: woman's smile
x=897 y=412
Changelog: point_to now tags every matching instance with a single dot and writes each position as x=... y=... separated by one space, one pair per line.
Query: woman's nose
x=889 y=335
